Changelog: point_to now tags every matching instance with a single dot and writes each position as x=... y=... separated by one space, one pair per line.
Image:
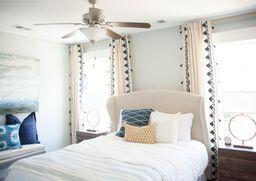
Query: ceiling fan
x=94 y=24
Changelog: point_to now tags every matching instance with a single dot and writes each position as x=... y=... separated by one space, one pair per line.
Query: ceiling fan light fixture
x=92 y=33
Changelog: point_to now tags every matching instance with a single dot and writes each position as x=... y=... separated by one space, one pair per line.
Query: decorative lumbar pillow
x=27 y=131
x=9 y=137
x=184 y=123
x=143 y=134
x=137 y=117
x=166 y=127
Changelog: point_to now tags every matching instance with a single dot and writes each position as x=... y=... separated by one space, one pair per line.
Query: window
x=236 y=73
x=96 y=91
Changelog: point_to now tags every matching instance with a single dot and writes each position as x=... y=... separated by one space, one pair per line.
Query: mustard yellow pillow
x=143 y=134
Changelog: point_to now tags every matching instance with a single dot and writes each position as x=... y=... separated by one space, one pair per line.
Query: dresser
x=236 y=164
x=85 y=135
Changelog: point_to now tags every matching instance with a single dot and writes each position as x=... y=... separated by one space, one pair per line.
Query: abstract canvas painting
x=19 y=84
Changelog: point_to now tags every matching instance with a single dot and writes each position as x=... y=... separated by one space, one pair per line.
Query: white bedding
x=109 y=158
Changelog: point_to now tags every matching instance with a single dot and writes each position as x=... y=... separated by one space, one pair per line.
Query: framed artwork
x=19 y=84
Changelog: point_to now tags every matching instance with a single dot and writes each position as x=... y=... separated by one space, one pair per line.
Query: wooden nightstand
x=236 y=163
x=85 y=135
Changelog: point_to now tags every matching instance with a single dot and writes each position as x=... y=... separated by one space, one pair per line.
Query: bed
x=110 y=158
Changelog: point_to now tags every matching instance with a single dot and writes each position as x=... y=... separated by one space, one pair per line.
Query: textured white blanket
x=109 y=158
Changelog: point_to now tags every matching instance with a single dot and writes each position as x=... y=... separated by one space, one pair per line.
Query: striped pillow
x=143 y=134
x=137 y=117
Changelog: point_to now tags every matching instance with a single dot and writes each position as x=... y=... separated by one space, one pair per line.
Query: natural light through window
x=236 y=74
x=97 y=91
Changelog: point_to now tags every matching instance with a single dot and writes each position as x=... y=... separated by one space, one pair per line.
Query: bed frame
x=165 y=101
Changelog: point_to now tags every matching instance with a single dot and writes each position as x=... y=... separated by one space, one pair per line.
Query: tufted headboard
x=165 y=101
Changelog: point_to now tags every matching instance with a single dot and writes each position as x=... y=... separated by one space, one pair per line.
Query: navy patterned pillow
x=9 y=137
x=137 y=117
x=28 y=131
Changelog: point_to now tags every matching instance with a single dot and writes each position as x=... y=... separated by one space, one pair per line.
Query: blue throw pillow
x=27 y=132
x=9 y=137
x=138 y=117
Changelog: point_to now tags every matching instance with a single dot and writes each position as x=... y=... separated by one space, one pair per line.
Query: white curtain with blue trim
x=121 y=73
x=199 y=76
x=76 y=88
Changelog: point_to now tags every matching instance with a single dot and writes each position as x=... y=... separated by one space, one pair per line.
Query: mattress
x=109 y=158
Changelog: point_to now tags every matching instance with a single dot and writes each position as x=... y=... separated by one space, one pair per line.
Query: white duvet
x=109 y=158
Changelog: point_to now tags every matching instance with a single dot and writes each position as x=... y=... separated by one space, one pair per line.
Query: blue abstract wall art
x=19 y=84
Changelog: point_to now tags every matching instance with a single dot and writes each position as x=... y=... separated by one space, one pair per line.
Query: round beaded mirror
x=93 y=119
x=243 y=128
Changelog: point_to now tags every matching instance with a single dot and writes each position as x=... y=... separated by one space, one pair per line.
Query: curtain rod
x=231 y=16
x=216 y=19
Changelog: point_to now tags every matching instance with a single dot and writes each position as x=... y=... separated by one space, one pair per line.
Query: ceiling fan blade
x=43 y=24
x=128 y=24
x=71 y=34
x=112 y=34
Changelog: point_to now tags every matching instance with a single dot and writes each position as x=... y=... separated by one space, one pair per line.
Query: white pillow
x=184 y=125
x=166 y=114
x=186 y=121
x=166 y=126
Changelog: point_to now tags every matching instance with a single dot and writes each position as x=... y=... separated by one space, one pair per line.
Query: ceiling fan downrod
x=93 y=2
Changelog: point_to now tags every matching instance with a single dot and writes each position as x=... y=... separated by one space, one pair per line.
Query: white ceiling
x=175 y=12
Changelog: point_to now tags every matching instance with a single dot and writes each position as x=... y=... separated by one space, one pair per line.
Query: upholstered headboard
x=165 y=101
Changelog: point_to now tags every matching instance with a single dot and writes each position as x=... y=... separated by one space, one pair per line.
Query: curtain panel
x=120 y=60
x=199 y=75
x=76 y=88
x=120 y=78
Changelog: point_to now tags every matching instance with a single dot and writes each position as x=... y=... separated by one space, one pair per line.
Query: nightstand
x=236 y=163
x=85 y=135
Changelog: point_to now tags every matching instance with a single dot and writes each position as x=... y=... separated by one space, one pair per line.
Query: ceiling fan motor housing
x=94 y=17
